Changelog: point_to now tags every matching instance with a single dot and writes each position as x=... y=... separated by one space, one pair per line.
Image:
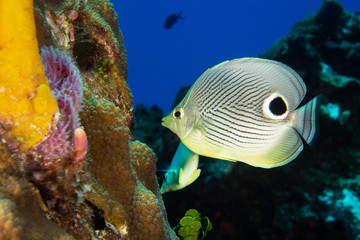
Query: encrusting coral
x=130 y=196
x=92 y=182
x=40 y=136
x=96 y=43
x=21 y=215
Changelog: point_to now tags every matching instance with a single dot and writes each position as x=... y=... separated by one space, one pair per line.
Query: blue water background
x=161 y=61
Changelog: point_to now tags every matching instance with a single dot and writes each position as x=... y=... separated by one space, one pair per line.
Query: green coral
x=192 y=226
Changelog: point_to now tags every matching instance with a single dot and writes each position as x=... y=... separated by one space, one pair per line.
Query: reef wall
x=69 y=165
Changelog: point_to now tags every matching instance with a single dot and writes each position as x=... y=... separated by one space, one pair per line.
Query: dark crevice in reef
x=98 y=219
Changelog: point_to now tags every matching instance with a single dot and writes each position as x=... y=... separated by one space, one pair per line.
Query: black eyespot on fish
x=178 y=113
x=277 y=106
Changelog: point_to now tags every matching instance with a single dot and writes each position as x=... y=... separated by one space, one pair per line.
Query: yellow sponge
x=25 y=99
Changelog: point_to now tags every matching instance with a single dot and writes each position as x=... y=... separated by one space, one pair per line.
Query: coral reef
x=21 y=214
x=344 y=205
x=89 y=31
x=69 y=167
x=66 y=85
x=288 y=202
x=129 y=196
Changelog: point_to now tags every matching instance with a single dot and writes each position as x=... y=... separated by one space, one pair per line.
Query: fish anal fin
x=288 y=146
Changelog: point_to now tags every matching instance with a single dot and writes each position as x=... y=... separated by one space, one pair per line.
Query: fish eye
x=178 y=113
x=277 y=106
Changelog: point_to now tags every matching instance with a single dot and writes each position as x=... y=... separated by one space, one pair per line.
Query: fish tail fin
x=306 y=120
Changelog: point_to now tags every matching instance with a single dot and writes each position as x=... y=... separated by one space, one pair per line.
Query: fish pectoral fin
x=189 y=180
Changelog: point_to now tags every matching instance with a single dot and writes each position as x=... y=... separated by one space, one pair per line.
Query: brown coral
x=121 y=174
x=21 y=215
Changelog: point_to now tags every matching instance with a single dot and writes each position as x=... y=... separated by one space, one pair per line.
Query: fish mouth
x=169 y=123
x=164 y=122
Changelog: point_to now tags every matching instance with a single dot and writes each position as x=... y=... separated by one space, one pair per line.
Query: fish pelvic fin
x=190 y=179
x=306 y=120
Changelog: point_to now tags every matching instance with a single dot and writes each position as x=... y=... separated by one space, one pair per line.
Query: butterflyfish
x=246 y=110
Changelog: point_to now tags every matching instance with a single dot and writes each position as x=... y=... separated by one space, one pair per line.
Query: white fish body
x=183 y=170
x=246 y=110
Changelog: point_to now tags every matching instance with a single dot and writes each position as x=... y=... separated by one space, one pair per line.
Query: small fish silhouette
x=172 y=19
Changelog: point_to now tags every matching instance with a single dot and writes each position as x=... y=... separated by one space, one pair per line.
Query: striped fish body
x=246 y=110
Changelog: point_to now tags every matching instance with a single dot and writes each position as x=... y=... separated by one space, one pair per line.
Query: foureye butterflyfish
x=246 y=110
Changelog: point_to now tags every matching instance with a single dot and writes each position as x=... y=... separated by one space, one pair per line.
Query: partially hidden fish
x=246 y=110
x=183 y=170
